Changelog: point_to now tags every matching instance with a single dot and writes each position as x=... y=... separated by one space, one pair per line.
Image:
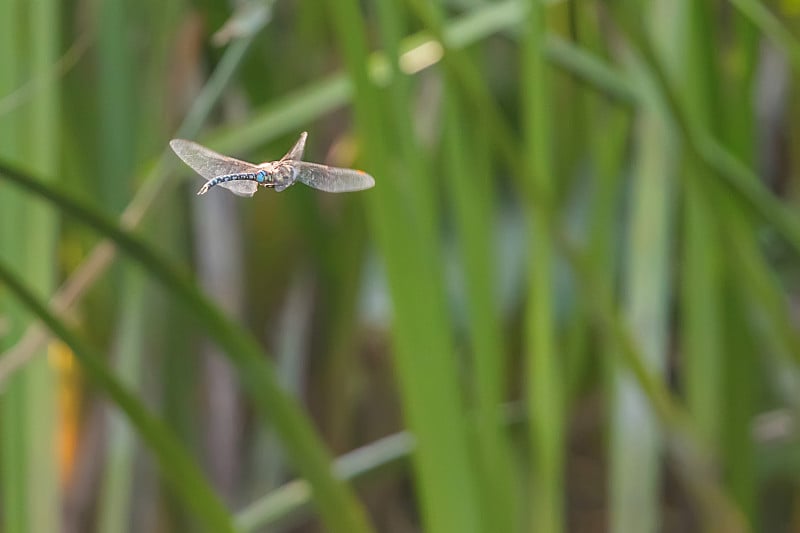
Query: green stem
x=545 y=395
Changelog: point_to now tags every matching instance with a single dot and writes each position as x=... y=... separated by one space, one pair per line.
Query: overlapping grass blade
x=771 y=27
x=292 y=499
x=174 y=461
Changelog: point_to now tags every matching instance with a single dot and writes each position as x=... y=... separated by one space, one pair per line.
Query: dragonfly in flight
x=243 y=178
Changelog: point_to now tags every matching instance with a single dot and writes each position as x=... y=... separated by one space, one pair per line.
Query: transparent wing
x=210 y=165
x=332 y=179
x=296 y=153
x=240 y=187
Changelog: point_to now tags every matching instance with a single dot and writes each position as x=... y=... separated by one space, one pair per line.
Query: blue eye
x=261 y=176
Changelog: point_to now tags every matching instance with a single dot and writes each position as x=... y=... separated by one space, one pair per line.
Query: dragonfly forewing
x=240 y=187
x=210 y=165
x=332 y=179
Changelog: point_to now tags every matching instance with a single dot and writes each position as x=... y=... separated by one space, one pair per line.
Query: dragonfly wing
x=241 y=187
x=296 y=153
x=332 y=179
x=210 y=165
x=207 y=162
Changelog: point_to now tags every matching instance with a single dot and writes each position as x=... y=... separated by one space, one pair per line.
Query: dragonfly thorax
x=281 y=174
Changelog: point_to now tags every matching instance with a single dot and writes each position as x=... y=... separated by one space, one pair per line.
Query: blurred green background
x=570 y=303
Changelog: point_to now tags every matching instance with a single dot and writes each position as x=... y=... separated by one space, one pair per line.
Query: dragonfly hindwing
x=296 y=153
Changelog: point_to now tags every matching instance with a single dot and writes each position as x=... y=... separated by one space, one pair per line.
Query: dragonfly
x=243 y=178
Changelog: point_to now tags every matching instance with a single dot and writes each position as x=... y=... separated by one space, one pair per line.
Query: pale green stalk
x=544 y=377
x=635 y=446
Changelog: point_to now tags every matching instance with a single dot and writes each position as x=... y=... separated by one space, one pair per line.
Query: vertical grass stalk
x=31 y=446
x=117 y=140
x=545 y=397
x=118 y=480
x=701 y=354
x=738 y=131
x=470 y=188
x=403 y=222
x=635 y=438
x=12 y=414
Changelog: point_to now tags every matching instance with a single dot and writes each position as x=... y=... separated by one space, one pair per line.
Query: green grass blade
x=292 y=500
x=472 y=196
x=737 y=177
x=738 y=457
x=12 y=414
x=117 y=105
x=635 y=441
x=748 y=190
x=339 y=508
x=544 y=384
x=596 y=74
x=175 y=462
x=33 y=395
x=695 y=71
x=426 y=368
x=691 y=455
x=117 y=76
x=771 y=27
x=118 y=481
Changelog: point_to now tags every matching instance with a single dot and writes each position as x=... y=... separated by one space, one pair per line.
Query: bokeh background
x=569 y=304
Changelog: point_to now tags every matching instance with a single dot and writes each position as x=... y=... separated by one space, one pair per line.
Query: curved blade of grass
x=732 y=172
x=582 y=64
x=771 y=27
x=748 y=189
x=338 y=506
x=293 y=499
x=176 y=464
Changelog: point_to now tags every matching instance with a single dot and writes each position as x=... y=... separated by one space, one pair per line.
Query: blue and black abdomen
x=260 y=177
